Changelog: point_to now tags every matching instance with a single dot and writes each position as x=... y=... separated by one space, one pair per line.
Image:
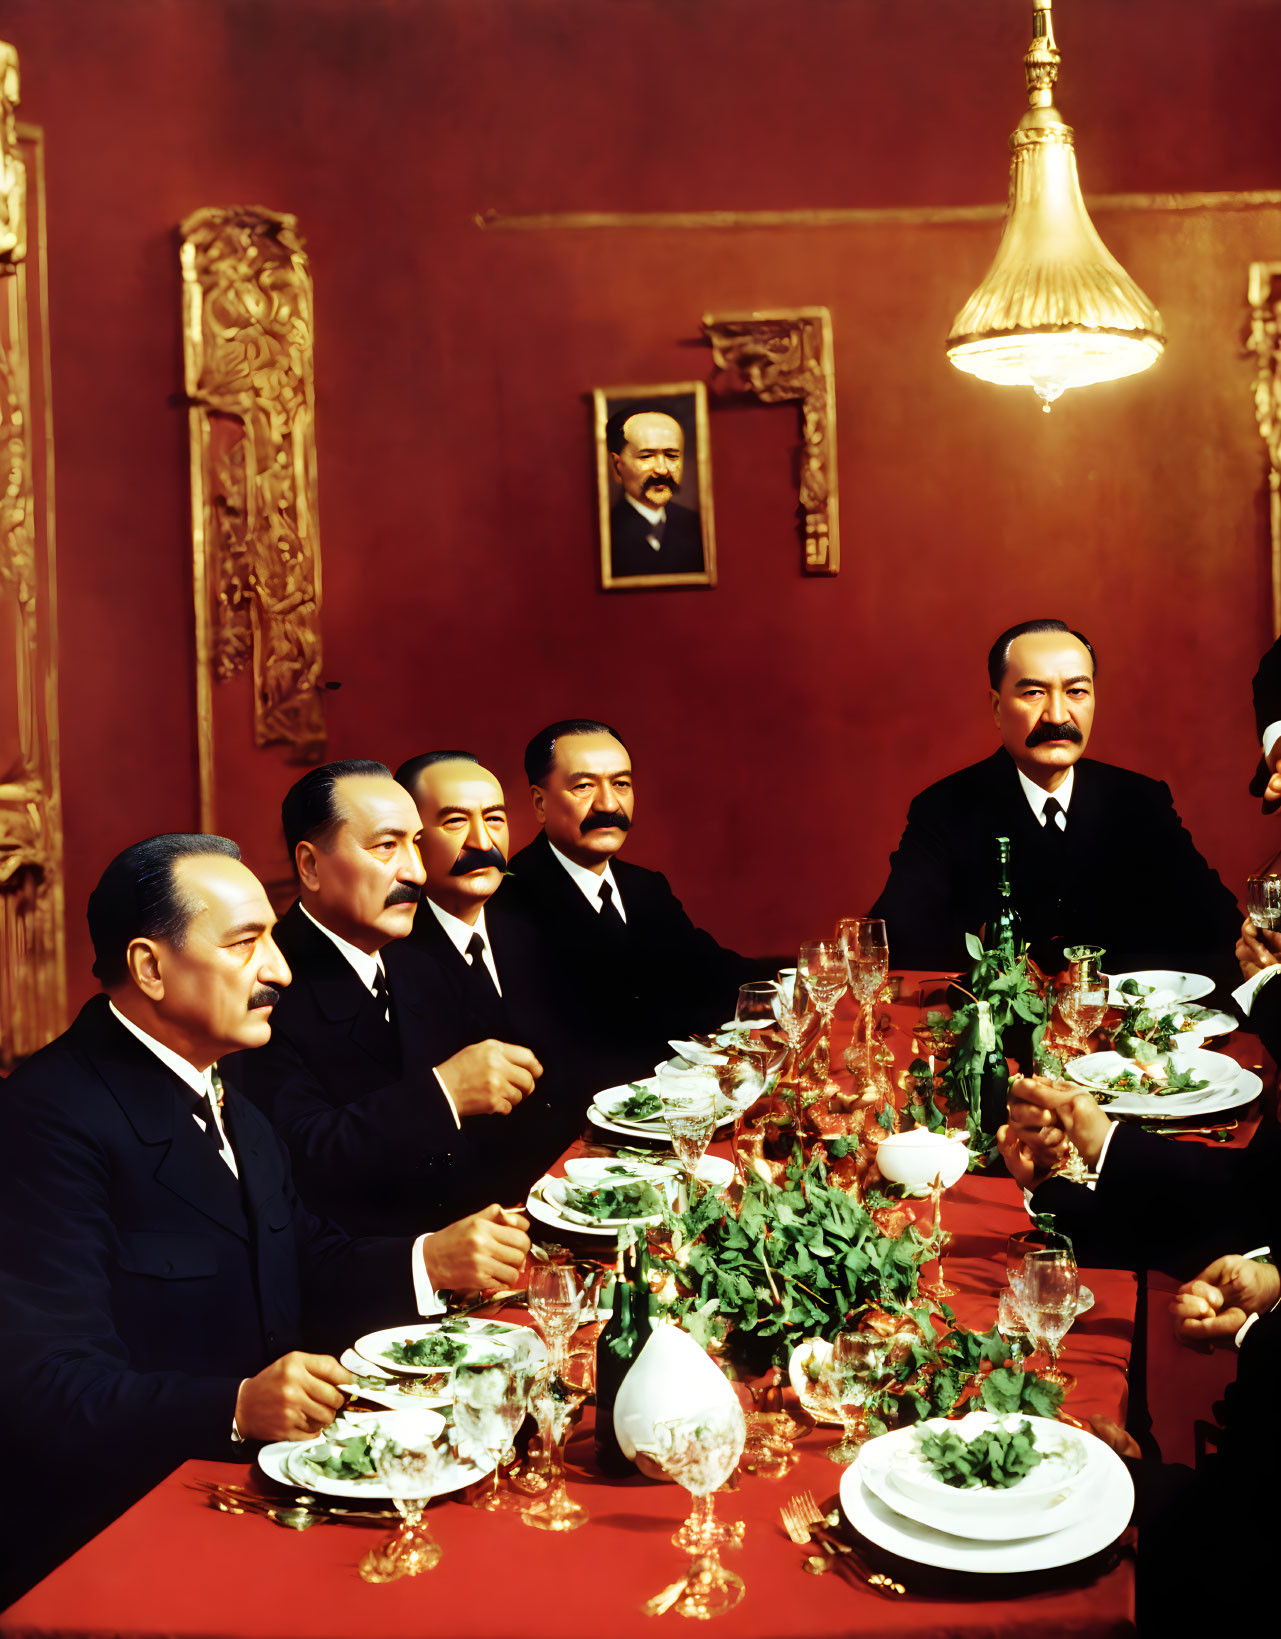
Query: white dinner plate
x=391 y=1393
x=1112 y=1498
x=590 y=1171
x=1166 y=982
x=1218 y=1069
x=544 y=1206
x=281 y=1461
x=478 y=1335
x=1179 y=1106
x=1211 y=1021
x=603 y=1112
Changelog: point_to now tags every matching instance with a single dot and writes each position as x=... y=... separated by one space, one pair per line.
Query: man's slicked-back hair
x=138 y=897
x=540 y=753
x=999 y=654
x=615 y=438
x=408 y=772
x=309 y=812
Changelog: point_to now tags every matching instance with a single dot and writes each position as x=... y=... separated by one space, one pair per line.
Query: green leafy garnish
x=637 y=1198
x=995 y=1459
x=344 y=1459
x=438 y=1349
x=641 y=1105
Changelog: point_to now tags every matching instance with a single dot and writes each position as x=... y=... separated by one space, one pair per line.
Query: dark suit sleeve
x=1164 y=1205
x=1265 y=1017
x=703 y=976
x=403 y=1133
x=1204 y=916
x=923 y=921
x=1267 y=689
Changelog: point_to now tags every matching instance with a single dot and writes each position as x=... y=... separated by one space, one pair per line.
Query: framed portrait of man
x=654 y=477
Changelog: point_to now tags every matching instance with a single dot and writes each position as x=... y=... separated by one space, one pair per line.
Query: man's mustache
x=478 y=859
x=598 y=821
x=655 y=481
x=264 y=996
x=403 y=893
x=1054 y=731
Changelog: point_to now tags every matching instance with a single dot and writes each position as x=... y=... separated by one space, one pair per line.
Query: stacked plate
x=1074 y=1503
x=1156 y=988
x=1227 y=1085
x=296 y=1463
x=551 y=1200
x=614 y=1111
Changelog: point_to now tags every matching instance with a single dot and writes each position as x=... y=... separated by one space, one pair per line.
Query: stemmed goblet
x=1051 y=1293
x=554 y=1399
x=688 y=1096
x=1083 y=1004
x=490 y=1400
x=699 y=1453
x=821 y=967
x=866 y=949
x=409 y=1467
x=857 y=1360
x=556 y=1306
x=796 y=1013
x=1011 y=1323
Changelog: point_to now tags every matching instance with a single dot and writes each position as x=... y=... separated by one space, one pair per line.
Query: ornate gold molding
x=853 y=216
x=248 y=339
x=1265 y=343
x=33 y=993
x=786 y=357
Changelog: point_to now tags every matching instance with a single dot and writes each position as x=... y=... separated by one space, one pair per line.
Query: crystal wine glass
x=556 y=1306
x=756 y=1023
x=688 y=1095
x=490 y=1400
x=866 y=949
x=409 y=1466
x=555 y=1400
x=821 y=967
x=699 y=1453
x=796 y=1017
x=1083 y=1005
x=855 y=1364
x=1263 y=898
x=1012 y=1325
x=1052 y=1290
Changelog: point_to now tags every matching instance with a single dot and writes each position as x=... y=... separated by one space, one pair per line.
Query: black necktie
x=203 y=1108
x=476 y=956
x=382 y=993
x=608 y=909
x=1053 y=808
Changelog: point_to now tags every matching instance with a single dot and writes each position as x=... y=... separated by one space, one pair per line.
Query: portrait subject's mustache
x=478 y=859
x=597 y=821
x=1054 y=731
x=403 y=893
x=264 y=996
x=655 y=481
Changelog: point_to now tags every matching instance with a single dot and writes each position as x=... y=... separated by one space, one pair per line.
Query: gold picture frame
x=682 y=542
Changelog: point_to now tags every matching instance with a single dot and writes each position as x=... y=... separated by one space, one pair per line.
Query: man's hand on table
x=482 y=1253
x=1256 y=949
x=1044 y=1113
x=292 y=1399
x=1212 y=1309
x=489 y=1078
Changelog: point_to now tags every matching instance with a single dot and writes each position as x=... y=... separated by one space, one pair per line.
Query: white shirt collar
x=1038 y=796
x=460 y=935
x=200 y=1081
x=367 y=967
x=588 y=881
x=651 y=515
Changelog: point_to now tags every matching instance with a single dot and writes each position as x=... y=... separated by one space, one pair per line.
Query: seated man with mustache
x=628 y=956
x=364 y=1077
x=1099 y=855
x=489 y=970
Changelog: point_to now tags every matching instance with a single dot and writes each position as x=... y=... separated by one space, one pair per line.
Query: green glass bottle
x=1004 y=932
x=621 y=1339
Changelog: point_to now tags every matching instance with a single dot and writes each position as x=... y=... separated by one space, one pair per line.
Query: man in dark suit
x=650 y=532
x=161 y=1283
x=1099 y=855
x=1267 y=721
x=489 y=970
x=367 y=1078
x=639 y=969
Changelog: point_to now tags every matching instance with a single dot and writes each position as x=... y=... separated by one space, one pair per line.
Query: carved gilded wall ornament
x=1265 y=343
x=248 y=339
x=33 y=994
x=786 y=357
x=13 y=168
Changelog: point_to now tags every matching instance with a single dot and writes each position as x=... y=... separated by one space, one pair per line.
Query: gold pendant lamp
x=1056 y=309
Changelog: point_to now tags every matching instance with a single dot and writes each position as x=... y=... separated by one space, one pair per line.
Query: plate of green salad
x=438 y=1345
x=339 y=1463
x=637 y=1108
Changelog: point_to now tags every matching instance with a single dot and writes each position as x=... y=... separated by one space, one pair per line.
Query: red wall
x=779 y=723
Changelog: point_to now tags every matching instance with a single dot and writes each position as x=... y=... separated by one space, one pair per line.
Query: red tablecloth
x=174 y=1566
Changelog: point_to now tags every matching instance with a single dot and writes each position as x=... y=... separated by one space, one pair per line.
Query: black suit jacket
x=371 y=1134
x=631 y=554
x=511 y=1150
x=1267 y=706
x=1159 y=1204
x=658 y=977
x=140 y=1281
x=1130 y=878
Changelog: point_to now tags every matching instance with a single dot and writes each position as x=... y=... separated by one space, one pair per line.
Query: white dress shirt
x=460 y=936
x=367 y=969
x=200 y=1081
x=1037 y=797
x=589 y=883
x=655 y=517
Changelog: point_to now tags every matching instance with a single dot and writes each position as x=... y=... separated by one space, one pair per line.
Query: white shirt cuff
x=1271 y=735
x=453 y=1108
x=1103 y=1153
x=424 y=1291
x=237 y=1438
x=1244 y=994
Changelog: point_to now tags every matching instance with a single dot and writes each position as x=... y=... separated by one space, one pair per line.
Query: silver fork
x=806 y=1524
